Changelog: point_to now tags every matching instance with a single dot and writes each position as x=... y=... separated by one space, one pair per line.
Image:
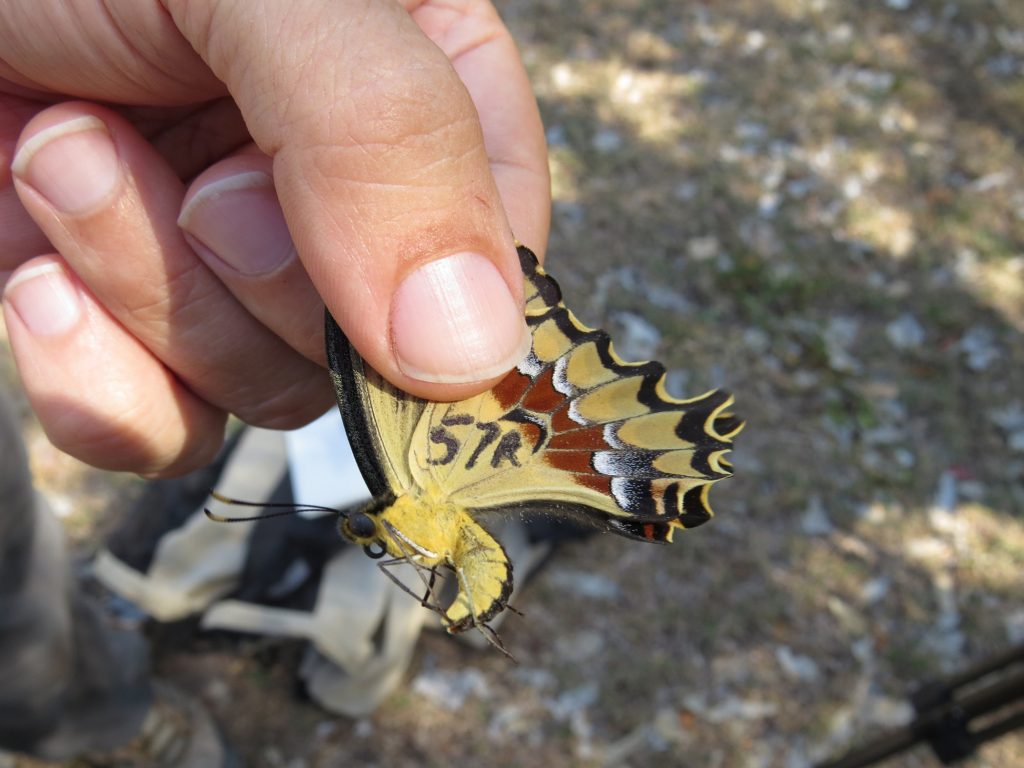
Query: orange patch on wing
x=532 y=434
x=577 y=464
x=543 y=397
x=600 y=483
x=588 y=439
x=560 y=421
x=509 y=391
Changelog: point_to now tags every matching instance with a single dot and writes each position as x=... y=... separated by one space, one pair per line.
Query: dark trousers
x=69 y=683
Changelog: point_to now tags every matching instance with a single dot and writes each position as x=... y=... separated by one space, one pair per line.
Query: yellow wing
x=576 y=429
x=379 y=418
x=573 y=429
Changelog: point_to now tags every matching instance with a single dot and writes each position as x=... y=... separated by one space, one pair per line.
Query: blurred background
x=819 y=206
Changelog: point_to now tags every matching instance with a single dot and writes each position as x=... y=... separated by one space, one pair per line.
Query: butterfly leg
x=409 y=557
x=425 y=599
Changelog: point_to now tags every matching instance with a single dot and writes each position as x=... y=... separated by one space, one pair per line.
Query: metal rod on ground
x=943 y=715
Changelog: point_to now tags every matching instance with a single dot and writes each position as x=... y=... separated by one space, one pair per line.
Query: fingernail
x=44 y=299
x=238 y=220
x=72 y=164
x=454 y=321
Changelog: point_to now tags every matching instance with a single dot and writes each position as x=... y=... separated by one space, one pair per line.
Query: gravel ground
x=820 y=206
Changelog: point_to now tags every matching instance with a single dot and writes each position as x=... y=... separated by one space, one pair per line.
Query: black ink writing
x=508 y=444
x=491 y=432
x=442 y=436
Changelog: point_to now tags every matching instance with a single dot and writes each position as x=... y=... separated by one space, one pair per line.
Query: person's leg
x=68 y=682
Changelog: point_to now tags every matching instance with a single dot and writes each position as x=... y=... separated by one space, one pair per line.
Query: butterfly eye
x=361 y=526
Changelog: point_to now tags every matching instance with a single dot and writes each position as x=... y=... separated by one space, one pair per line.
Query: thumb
x=381 y=169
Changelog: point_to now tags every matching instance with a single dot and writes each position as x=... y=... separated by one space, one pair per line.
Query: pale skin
x=164 y=264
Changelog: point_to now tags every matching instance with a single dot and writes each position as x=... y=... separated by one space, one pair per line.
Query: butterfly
x=572 y=431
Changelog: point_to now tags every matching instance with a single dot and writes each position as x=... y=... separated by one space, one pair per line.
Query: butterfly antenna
x=287 y=509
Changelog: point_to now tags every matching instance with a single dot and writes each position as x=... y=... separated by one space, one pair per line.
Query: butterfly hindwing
x=576 y=427
x=572 y=425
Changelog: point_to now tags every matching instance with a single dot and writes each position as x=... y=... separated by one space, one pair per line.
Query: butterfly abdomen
x=484 y=575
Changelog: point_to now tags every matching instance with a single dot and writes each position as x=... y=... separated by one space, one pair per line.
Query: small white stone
x=535 y=677
x=451 y=689
x=754 y=41
x=839 y=335
x=580 y=646
x=664 y=297
x=1009 y=418
x=805 y=380
x=607 y=140
x=905 y=332
x=508 y=720
x=875 y=513
x=573 y=701
x=642 y=737
x=852 y=187
x=796 y=666
x=1016 y=441
x=702 y=248
x=979 y=347
x=593 y=586
x=904 y=458
x=884 y=435
x=929 y=548
x=888 y=712
x=848 y=617
x=875 y=590
x=556 y=137
x=768 y=204
x=729 y=708
x=814 y=521
x=686 y=190
x=757 y=340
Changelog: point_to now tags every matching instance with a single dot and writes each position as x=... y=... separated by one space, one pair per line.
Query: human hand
x=404 y=145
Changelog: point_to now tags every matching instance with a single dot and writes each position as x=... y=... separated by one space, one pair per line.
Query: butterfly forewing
x=379 y=418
